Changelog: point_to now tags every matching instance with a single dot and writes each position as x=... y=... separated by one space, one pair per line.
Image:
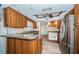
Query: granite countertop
x=21 y=36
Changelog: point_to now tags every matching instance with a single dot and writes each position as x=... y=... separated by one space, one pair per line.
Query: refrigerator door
x=71 y=26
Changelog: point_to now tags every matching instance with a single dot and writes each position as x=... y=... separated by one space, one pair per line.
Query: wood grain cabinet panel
x=77 y=40
x=77 y=20
x=77 y=15
x=12 y=18
x=15 y=19
x=76 y=31
x=24 y=22
x=18 y=18
x=7 y=16
x=10 y=46
x=18 y=46
x=34 y=24
x=23 y=46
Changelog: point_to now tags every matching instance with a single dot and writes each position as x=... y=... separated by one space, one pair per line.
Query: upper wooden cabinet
x=34 y=25
x=76 y=15
x=13 y=18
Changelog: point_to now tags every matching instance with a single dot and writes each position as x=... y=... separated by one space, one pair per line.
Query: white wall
x=2 y=39
x=44 y=30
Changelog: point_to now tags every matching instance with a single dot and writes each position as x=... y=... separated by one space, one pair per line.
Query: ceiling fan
x=49 y=14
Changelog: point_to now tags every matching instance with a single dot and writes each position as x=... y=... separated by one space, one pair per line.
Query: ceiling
x=31 y=9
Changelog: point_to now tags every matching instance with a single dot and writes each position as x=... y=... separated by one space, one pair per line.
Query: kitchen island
x=23 y=44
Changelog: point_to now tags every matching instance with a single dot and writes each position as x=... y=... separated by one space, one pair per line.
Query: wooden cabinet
x=77 y=40
x=10 y=46
x=18 y=46
x=76 y=31
x=25 y=49
x=24 y=22
x=34 y=24
x=23 y=46
x=77 y=15
x=12 y=18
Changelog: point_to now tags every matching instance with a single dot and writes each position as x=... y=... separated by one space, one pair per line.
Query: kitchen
x=21 y=33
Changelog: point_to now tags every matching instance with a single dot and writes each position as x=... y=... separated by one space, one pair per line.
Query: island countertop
x=21 y=36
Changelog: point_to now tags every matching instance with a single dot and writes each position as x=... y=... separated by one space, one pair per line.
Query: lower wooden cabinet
x=77 y=40
x=18 y=46
x=10 y=46
x=23 y=46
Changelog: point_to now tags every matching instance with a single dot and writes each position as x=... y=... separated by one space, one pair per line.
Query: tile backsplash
x=15 y=30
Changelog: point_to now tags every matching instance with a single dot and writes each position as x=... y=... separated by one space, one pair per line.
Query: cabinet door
x=25 y=47
x=31 y=46
x=12 y=18
x=77 y=15
x=8 y=16
x=18 y=46
x=34 y=25
x=20 y=21
x=77 y=40
x=24 y=22
x=17 y=20
x=10 y=46
x=39 y=46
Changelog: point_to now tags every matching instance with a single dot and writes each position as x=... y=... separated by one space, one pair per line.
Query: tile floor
x=49 y=47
